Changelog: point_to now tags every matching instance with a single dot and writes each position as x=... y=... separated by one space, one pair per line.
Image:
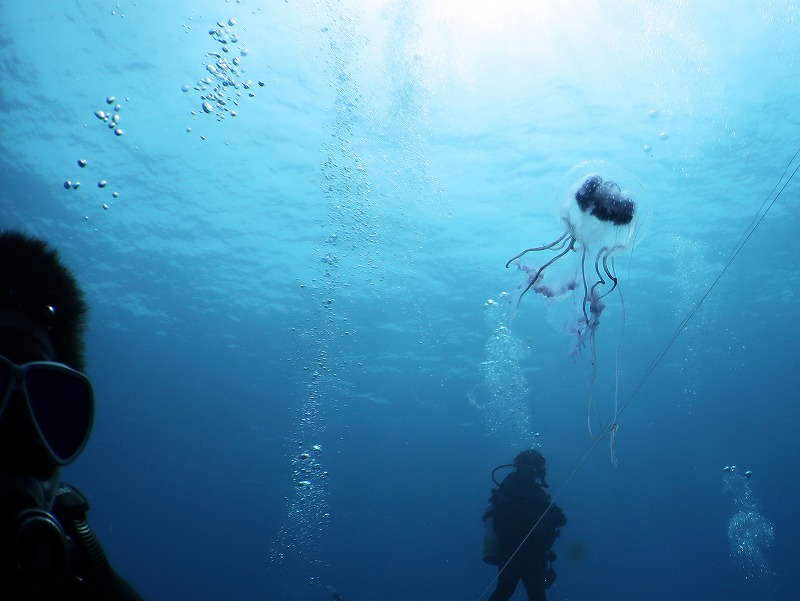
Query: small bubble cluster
x=662 y=135
x=504 y=381
x=750 y=533
x=74 y=184
x=111 y=116
x=224 y=83
x=308 y=509
x=118 y=11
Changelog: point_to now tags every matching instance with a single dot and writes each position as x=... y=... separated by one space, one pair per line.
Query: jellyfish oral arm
x=611 y=273
x=591 y=296
x=557 y=245
x=552 y=246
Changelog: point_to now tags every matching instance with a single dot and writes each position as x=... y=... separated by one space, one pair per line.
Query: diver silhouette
x=522 y=524
x=47 y=549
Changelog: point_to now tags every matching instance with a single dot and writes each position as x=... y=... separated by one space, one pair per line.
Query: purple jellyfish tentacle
x=592 y=296
x=586 y=291
x=592 y=306
x=539 y=272
x=610 y=273
x=552 y=246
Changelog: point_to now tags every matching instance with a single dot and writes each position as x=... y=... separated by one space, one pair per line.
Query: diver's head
x=531 y=461
x=42 y=319
x=40 y=303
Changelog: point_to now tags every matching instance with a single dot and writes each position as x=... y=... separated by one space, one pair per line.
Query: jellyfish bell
x=603 y=206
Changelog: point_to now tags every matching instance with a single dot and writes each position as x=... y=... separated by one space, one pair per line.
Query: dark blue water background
x=310 y=276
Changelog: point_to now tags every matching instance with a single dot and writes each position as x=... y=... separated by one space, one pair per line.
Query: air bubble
x=110 y=100
x=750 y=533
x=222 y=79
x=102 y=183
x=81 y=163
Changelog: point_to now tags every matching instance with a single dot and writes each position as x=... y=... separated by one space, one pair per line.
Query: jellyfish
x=603 y=213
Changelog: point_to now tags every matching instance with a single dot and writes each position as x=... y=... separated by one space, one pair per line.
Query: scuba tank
x=491 y=544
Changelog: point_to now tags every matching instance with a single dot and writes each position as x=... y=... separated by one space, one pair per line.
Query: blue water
x=290 y=340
